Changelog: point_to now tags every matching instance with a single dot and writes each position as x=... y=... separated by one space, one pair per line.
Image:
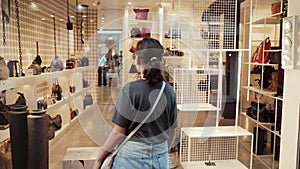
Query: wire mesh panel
x=208 y=148
x=212 y=147
x=216 y=20
x=193 y=87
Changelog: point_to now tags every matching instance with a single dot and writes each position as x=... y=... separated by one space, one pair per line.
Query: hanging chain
x=54 y=30
x=19 y=35
x=3 y=30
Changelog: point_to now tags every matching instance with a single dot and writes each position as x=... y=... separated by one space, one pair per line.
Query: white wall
x=290 y=115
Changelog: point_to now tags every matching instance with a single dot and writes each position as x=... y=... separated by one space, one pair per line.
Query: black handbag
x=4 y=121
x=13 y=67
x=21 y=101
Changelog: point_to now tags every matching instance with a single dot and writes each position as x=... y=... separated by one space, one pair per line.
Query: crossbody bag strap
x=145 y=119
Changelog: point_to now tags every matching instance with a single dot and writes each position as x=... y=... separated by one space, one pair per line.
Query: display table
x=218 y=145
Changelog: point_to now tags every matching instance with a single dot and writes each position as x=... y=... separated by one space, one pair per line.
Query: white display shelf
x=265 y=20
x=197 y=107
x=135 y=21
x=220 y=164
x=81 y=153
x=112 y=75
x=256 y=121
x=260 y=64
x=221 y=131
x=265 y=126
x=69 y=99
x=199 y=144
x=13 y=82
x=65 y=128
x=33 y=80
x=260 y=91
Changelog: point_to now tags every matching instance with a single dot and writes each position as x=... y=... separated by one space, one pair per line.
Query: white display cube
x=212 y=147
x=80 y=157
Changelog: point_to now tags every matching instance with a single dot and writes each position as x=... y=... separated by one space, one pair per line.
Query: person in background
x=111 y=70
x=101 y=66
x=148 y=147
x=120 y=57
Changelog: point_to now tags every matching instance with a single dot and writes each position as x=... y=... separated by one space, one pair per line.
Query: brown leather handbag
x=56 y=91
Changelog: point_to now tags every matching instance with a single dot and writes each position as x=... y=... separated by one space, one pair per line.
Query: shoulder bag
x=108 y=161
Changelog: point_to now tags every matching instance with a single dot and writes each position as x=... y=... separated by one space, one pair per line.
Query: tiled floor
x=89 y=135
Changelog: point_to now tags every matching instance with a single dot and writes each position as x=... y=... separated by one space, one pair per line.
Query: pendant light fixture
x=69 y=23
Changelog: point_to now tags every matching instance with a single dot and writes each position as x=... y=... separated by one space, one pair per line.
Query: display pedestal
x=80 y=157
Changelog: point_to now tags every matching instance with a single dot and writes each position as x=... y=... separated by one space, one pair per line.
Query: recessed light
x=129 y=3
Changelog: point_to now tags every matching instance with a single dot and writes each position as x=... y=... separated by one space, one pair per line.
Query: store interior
x=233 y=65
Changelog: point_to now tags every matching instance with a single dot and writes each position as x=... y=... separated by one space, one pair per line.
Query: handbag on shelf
x=4 y=72
x=145 y=33
x=109 y=159
x=261 y=54
x=70 y=63
x=135 y=32
x=266 y=77
x=56 y=91
x=85 y=61
x=57 y=64
x=88 y=100
x=13 y=67
x=36 y=65
x=54 y=125
x=4 y=121
x=21 y=101
x=141 y=14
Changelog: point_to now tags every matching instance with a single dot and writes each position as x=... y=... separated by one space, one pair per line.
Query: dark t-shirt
x=134 y=102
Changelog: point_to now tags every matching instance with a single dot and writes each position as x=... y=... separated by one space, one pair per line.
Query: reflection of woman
x=148 y=147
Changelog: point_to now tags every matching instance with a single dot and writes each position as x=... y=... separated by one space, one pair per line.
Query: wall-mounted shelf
x=74 y=77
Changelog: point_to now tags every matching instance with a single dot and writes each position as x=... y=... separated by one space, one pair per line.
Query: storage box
x=80 y=157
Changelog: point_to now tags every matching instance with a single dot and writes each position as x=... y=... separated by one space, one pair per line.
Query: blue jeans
x=134 y=155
